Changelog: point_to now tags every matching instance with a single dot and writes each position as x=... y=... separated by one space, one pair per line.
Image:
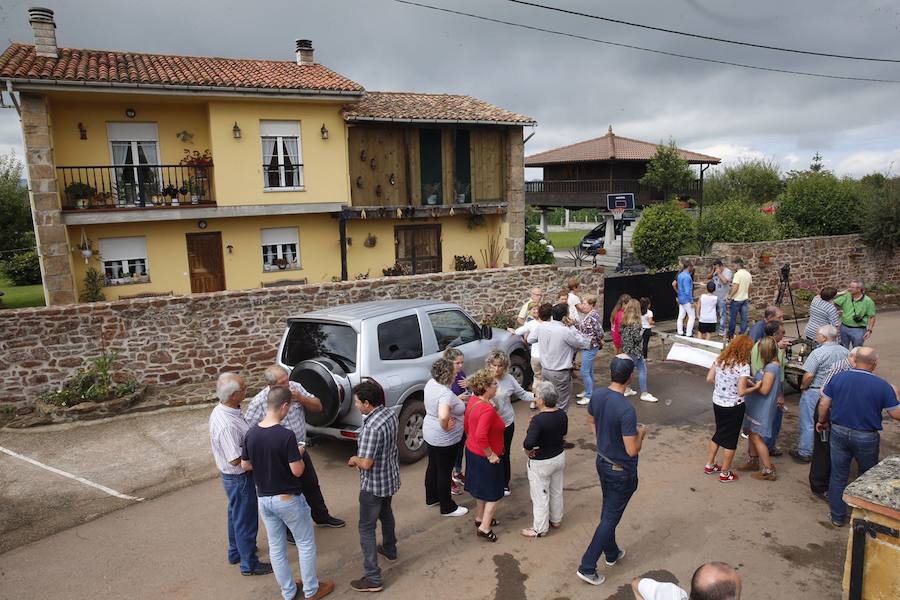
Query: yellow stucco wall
x=167 y=251
x=237 y=172
x=456 y=237
x=238 y=163
x=94 y=111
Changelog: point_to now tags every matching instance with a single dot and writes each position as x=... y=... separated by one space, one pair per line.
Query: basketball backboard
x=621 y=201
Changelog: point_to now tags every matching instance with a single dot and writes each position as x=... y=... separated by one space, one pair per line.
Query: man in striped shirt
x=822 y=311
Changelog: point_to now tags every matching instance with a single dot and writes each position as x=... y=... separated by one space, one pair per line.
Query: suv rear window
x=307 y=340
x=400 y=339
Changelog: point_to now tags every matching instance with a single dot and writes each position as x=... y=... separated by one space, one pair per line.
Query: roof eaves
x=357 y=118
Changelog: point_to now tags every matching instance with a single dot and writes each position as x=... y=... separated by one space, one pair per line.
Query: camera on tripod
x=785 y=272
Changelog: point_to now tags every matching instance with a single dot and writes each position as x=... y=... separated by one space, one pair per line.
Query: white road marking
x=102 y=488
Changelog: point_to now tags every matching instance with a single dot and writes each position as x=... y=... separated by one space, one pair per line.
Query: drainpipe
x=342 y=230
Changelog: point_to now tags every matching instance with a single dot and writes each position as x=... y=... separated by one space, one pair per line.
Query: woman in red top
x=484 y=446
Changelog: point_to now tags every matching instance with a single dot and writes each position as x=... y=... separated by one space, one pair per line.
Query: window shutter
x=279 y=235
x=126 y=248
x=132 y=132
x=279 y=128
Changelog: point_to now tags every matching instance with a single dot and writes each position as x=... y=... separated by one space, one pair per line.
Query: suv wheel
x=410 y=441
x=520 y=370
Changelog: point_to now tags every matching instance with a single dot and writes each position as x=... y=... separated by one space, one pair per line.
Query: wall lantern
x=236 y=131
x=82 y=132
x=324 y=132
x=130 y=113
x=230 y=248
x=392 y=180
x=201 y=224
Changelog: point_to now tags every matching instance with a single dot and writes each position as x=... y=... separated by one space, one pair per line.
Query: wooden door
x=205 y=262
x=419 y=248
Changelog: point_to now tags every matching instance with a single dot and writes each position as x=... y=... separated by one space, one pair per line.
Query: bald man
x=711 y=581
x=856 y=399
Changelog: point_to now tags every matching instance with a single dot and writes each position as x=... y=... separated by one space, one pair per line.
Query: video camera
x=785 y=272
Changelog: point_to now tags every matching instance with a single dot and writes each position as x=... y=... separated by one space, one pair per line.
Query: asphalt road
x=173 y=544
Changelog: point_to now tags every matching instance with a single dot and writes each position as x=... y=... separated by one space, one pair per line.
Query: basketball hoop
x=617 y=213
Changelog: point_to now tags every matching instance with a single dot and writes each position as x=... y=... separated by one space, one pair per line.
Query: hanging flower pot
x=765 y=259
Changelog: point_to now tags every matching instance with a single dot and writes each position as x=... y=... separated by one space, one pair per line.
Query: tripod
x=785 y=284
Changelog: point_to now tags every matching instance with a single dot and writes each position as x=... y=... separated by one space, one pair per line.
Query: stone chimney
x=305 y=52
x=44 y=28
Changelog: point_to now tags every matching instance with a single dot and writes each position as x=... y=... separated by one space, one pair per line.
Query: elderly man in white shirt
x=559 y=343
x=276 y=375
x=227 y=429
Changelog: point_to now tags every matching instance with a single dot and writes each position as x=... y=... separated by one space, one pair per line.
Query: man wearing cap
x=613 y=421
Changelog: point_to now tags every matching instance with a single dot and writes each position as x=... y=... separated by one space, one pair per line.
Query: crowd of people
x=470 y=424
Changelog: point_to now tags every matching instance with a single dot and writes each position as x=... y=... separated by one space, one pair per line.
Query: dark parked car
x=594 y=239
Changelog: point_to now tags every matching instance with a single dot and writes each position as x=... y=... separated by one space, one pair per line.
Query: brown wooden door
x=419 y=248
x=205 y=262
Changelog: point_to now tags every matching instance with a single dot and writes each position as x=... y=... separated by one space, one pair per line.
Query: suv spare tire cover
x=317 y=376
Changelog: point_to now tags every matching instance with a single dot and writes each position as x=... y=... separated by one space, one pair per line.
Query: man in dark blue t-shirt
x=272 y=453
x=619 y=437
x=856 y=399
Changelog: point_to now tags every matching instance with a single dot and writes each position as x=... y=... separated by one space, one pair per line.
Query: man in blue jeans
x=227 y=430
x=272 y=453
x=739 y=296
x=613 y=421
x=817 y=367
x=856 y=399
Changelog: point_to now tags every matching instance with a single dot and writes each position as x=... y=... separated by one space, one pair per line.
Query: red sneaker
x=726 y=476
x=713 y=469
x=458 y=478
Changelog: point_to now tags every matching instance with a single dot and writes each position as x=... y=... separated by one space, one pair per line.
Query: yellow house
x=177 y=174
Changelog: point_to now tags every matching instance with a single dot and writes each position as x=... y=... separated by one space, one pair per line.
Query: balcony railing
x=598 y=186
x=135 y=186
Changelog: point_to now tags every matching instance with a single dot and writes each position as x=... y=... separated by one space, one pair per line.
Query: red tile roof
x=20 y=61
x=609 y=147
x=430 y=108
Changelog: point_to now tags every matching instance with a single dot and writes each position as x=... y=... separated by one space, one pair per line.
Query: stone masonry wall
x=186 y=339
x=815 y=262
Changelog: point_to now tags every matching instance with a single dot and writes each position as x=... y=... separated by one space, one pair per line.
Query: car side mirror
x=487 y=332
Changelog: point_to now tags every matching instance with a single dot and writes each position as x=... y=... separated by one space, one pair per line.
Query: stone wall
x=187 y=339
x=815 y=262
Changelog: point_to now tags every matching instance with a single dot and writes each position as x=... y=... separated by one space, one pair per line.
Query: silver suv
x=392 y=343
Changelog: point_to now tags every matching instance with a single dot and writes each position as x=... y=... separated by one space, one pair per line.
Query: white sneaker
x=583 y=401
x=595 y=579
x=533 y=406
x=459 y=512
x=506 y=492
x=648 y=397
x=629 y=392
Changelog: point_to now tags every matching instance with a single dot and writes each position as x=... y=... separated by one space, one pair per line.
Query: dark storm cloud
x=574 y=88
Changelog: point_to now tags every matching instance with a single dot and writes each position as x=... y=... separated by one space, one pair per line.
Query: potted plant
x=195 y=188
x=171 y=192
x=281 y=263
x=765 y=259
x=81 y=193
x=432 y=193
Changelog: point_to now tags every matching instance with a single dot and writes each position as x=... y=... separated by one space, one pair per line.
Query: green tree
x=736 y=221
x=752 y=181
x=93 y=286
x=816 y=165
x=667 y=171
x=820 y=204
x=663 y=232
x=22 y=268
x=16 y=229
x=881 y=217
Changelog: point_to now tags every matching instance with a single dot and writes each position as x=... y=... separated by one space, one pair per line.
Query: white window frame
x=280 y=237
x=279 y=130
x=123 y=250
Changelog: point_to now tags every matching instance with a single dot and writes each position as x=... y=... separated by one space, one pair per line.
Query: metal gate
x=656 y=286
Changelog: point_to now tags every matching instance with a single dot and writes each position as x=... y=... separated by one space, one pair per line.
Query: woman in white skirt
x=546 y=460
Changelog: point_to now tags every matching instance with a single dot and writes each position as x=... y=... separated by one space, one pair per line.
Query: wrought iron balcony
x=135 y=186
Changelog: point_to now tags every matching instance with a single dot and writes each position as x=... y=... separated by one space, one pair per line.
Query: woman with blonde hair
x=442 y=430
x=615 y=321
x=760 y=411
x=591 y=326
x=632 y=345
x=507 y=388
x=730 y=374
x=484 y=447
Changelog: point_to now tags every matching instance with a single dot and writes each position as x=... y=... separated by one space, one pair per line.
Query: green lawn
x=564 y=240
x=20 y=296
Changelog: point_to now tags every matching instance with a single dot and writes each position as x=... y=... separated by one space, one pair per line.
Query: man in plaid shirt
x=378 y=461
x=277 y=376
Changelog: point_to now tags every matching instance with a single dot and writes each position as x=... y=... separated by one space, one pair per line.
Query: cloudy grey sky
x=574 y=88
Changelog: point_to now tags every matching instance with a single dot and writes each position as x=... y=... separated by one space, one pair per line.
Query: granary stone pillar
x=514 y=189
x=50 y=232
